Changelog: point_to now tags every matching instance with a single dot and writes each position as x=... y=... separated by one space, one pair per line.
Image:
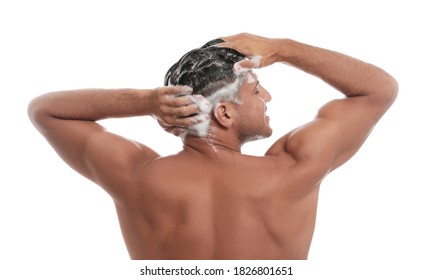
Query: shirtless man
x=209 y=201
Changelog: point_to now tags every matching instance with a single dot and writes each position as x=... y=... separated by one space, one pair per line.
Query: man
x=209 y=201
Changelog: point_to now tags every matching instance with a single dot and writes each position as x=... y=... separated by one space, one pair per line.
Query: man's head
x=206 y=69
x=210 y=72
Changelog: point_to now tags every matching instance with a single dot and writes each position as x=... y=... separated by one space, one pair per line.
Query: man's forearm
x=171 y=106
x=93 y=104
x=347 y=74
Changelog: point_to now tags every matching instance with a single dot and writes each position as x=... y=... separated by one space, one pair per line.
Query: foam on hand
x=206 y=106
x=203 y=117
x=250 y=78
x=203 y=104
x=252 y=62
x=256 y=61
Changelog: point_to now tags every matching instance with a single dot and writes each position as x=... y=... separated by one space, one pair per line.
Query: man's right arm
x=342 y=125
x=68 y=120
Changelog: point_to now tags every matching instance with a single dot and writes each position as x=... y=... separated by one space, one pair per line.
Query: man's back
x=221 y=206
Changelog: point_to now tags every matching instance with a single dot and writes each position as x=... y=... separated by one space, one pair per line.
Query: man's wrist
x=275 y=54
x=148 y=101
x=285 y=50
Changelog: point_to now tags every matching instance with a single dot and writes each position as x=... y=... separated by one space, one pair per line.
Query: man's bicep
x=103 y=157
x=352 y=120
x=335 y=135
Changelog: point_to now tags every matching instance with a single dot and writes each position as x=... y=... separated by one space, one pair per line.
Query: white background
x=374 y=212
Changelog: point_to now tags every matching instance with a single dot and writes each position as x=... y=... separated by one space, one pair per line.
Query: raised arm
x=342 y=125
x=68 y=121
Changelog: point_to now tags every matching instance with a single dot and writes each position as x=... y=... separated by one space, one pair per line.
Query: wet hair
x=206 y=69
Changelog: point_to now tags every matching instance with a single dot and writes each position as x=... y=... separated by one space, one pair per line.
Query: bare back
x=229 y=206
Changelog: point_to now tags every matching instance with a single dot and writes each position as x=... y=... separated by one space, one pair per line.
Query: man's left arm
x=342 y=125
x=68 y=120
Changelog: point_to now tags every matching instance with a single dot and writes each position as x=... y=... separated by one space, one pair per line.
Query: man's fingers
x=184 y=90
x=229 y=45
x=186 y=111
x=178 y=101
x=175 y=91
x=225 y=45
x=229 y=39
x=179 y=109
x=246 y=65
x=185 y=122
x=243 y=66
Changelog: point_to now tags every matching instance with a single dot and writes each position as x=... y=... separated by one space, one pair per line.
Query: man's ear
x=223 y=114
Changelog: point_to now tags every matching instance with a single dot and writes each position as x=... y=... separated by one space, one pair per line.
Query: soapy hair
x=206 y=69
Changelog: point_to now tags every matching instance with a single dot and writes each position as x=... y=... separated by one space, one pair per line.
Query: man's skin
x=209 y=201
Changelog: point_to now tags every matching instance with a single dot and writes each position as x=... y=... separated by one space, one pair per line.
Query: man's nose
x=267 y=96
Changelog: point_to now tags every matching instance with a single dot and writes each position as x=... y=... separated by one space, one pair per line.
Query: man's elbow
x=389 y=92
x=37 y=111
x=393 y=90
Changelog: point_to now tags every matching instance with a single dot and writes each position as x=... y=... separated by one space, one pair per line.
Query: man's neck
x=211 y=145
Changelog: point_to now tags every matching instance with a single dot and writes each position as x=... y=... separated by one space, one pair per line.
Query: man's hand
x=261 y=51
x=175 y=108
